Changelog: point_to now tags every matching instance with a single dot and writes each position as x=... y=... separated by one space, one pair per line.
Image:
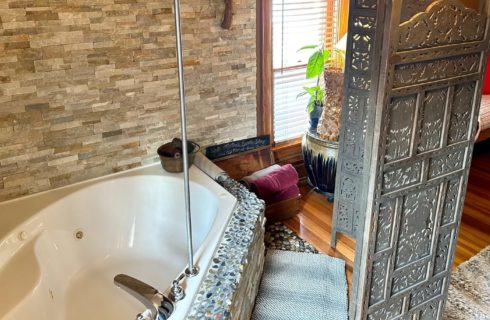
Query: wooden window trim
x=265 y=116
x=343 y=17
x=291 y=143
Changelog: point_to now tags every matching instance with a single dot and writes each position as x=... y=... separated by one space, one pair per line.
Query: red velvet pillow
x=486 y=81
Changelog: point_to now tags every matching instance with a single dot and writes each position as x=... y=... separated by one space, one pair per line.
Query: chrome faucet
x=158 y=306
x=177 y=293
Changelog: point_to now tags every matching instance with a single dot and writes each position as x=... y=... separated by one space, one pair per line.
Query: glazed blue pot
x=320 y=158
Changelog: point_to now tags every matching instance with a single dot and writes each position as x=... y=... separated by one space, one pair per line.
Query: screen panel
x=426 y=113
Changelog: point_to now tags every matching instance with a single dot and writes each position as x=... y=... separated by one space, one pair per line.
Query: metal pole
x=191 y=270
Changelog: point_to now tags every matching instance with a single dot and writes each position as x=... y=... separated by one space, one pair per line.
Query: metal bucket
x=175 y=164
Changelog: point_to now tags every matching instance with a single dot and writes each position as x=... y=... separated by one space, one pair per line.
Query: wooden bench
x=484 y=119
x=242 y=164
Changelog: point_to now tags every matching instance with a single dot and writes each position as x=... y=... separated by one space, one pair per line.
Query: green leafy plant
x=314 y=69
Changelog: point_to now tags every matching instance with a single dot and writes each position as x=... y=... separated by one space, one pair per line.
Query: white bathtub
x=131 y=223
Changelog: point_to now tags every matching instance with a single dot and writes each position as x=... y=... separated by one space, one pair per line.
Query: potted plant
x=314 y=69
x=319 y=145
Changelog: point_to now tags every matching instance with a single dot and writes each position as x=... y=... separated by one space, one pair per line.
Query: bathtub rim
x=17 y=219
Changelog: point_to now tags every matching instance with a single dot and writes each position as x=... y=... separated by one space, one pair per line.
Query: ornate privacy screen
x=401 y=187
x=360 y=82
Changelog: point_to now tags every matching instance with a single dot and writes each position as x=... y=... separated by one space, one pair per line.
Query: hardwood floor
x=475 y=226
x=314 y=222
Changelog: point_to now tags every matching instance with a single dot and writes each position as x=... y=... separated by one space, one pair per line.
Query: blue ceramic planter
x=320 y=158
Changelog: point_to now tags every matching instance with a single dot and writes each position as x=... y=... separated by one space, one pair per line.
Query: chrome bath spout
x=191 y=269
x=158 y=306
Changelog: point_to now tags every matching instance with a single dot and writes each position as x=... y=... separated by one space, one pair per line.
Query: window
x=296 y=23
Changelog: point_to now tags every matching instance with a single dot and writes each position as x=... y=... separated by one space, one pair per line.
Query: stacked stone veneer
x=244 y=298
x=89 y=87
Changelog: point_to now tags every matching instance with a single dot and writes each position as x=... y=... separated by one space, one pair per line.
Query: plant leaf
x=315 y=65
x=311 y=104
x=301 y=94
x=310 y=46
x=321 y=95
x=312 y=90
x=326 y=55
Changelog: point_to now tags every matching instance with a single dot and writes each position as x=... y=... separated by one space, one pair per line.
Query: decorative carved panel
x=432 y=119
x=402 y=177
x=361 y=50
x=427 y=291
x=386 y=216
x=431 y=311
x=378 y=282
x=422 y=135
x=360 y=82
x=444 y=22
x=420 y=72
x=450 y=201
x=446 y=163
x=366 y=4
x=361 y=71
x=409 y=276
x=402 y=114
x=460 y=115
x=390 y=310
x=443 y=248
x=417 y=223
x=411 y=8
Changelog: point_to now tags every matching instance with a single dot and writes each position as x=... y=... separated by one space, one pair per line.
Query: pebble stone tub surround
x=231 y=284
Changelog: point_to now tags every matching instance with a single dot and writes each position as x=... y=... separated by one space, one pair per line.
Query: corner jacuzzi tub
x=60 y=250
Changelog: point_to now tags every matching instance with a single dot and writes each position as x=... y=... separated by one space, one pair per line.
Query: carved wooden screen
x=426 y=113
x=360 y=87
x=362 y=67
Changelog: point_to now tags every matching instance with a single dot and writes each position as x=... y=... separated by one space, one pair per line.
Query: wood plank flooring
x=314 y=222
x=475 y=226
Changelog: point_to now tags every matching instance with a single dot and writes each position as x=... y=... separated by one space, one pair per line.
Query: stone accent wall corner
x=89 y=87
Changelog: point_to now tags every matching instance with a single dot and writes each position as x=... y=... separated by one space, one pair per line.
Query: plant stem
x=317 y=84
x=318 y=79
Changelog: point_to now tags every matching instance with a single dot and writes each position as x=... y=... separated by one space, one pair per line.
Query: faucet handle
x=157 y=305
x=177 y=292
x=145 y=315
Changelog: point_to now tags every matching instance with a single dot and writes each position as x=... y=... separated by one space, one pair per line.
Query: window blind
x=296 y=23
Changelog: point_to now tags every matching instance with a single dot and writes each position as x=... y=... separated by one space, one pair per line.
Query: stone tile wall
x=89 y=87
x=243 y=301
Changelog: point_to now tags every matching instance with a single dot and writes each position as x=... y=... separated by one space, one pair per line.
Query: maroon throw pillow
x=486 y=80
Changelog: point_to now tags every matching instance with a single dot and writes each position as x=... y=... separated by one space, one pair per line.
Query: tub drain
x=79 y=234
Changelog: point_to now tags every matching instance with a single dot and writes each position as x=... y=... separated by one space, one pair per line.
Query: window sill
x=291 y=143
